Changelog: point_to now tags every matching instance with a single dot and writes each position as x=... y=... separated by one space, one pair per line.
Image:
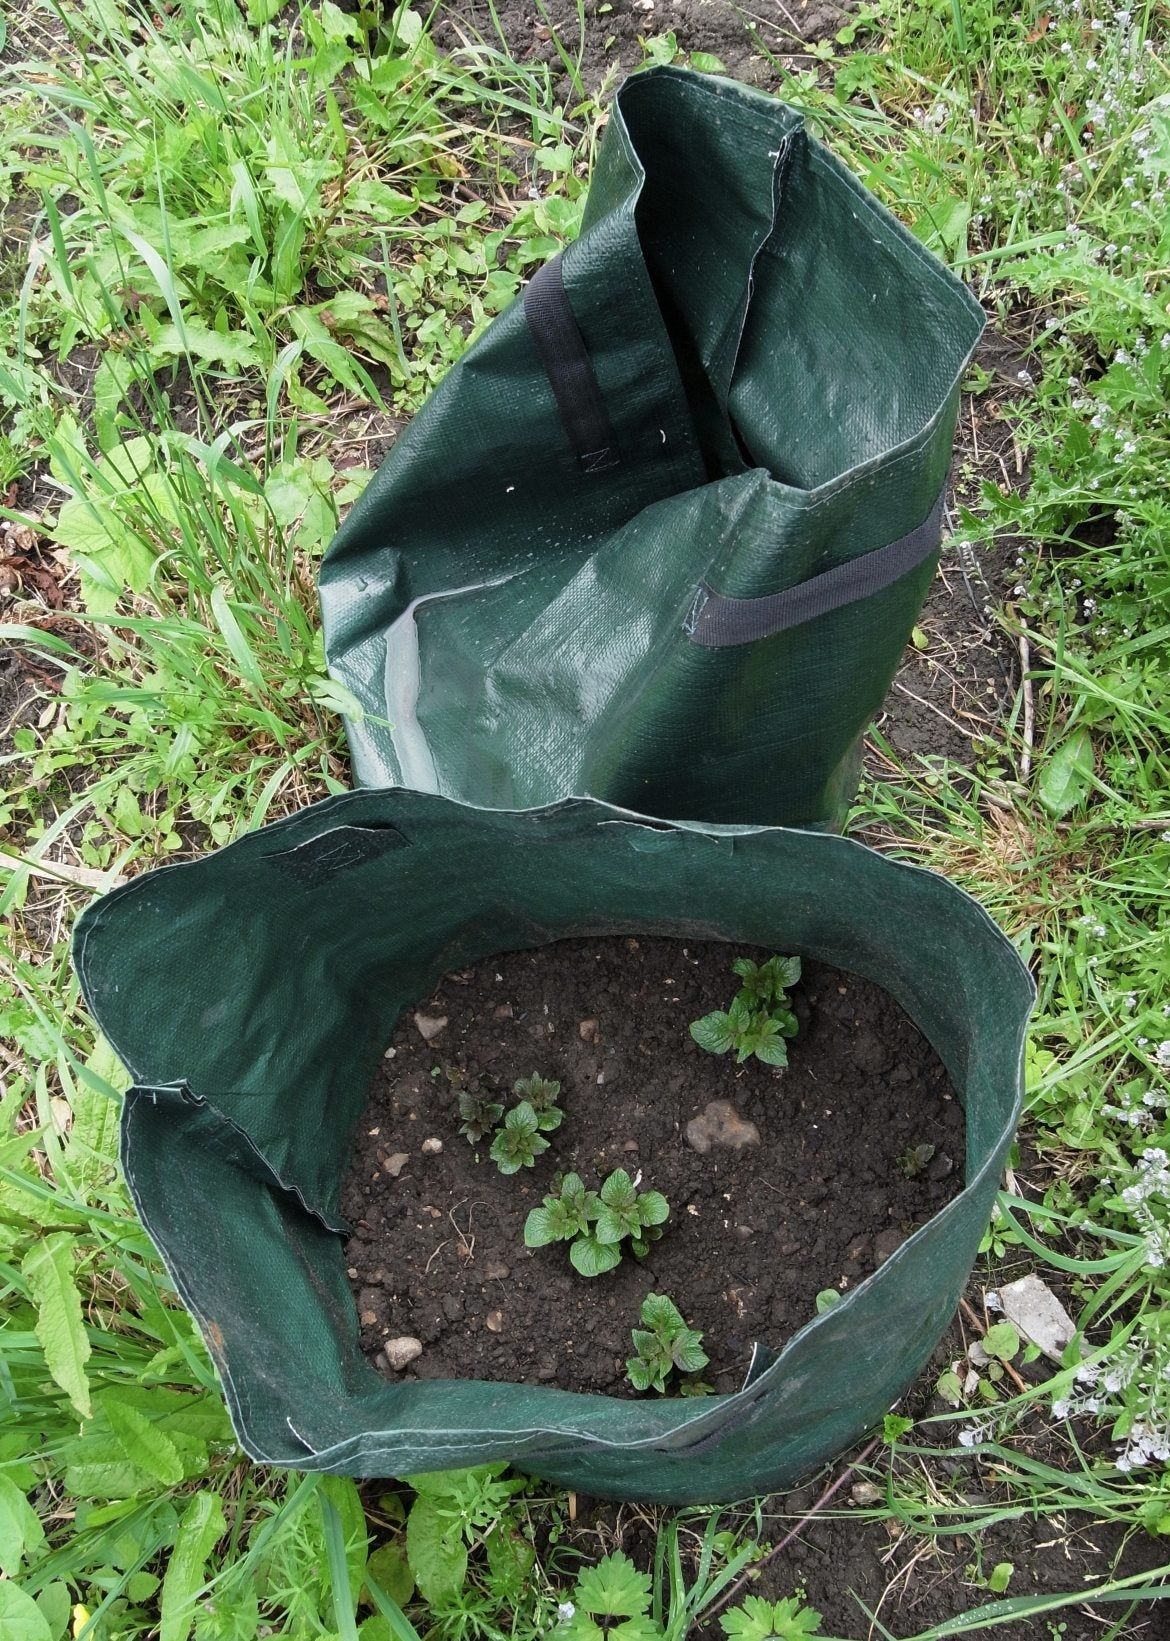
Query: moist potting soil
x=857 y=1142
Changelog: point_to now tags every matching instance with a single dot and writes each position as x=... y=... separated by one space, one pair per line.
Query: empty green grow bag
x=250 y=995
x=662 y=534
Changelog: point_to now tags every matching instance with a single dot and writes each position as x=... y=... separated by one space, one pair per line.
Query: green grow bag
x=662 y=534
x=250 y=995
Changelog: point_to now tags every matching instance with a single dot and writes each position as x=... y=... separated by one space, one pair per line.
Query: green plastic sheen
x=779 y=359
x=250 y=995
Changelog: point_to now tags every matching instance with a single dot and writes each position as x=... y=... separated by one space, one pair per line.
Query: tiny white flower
x=566 y=1612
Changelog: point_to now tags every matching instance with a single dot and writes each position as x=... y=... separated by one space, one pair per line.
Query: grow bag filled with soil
x=252 y=995
x=661 y=536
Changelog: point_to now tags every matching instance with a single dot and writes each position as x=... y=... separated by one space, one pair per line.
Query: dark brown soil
x=437 y=1253
x=745 y=38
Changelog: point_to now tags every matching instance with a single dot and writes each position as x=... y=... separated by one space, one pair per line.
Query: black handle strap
x=715 y=620
x=569 y=369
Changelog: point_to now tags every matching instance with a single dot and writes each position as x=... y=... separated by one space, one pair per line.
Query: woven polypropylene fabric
x=250 y=995
x=777 y=360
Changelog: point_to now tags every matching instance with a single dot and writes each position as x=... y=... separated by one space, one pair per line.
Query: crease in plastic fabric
x=661 y=536
x=250 y=995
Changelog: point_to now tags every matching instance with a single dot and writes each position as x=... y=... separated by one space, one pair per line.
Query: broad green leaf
x=759 y=1620
x=613 y=1589
x=445 y=1484
x=438 y=1557
x=772 y=1051
x=20 y=1617
x=211 y=347
x=55 y=1603
x=48 y=1270
x=390 y=1571
x=610 y=1227
x=110 y=556
x=1067 y=774
x=539 y=1229
x=713 y=1032
x=1001 y=1340
x=144 y=1443
x=510 y=1560
x=661 y=1313
x=618 y=1190
x=201 y=1525
x=653 y=1208
x=593 y=1258
x=92 y=1148
x=20 y=1527
x=638 y=1373
x=689 y=1355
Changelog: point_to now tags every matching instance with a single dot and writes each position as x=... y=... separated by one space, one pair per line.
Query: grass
x=242 y=250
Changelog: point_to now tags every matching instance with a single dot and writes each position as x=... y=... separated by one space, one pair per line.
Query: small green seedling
x=766 y=985
x=595 y=1224
x=663 y=1344
x=627 y=1212
x=759 y=1017
x=563 y=1216
x=480 y=1115
x=915 y=1159
x=519 y=1142
x=541 y=1094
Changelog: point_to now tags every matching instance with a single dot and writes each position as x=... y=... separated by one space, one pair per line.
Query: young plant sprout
x=759 y=1016
x=480 y=1115
x=519 y=1142
x=627 y=1212
x=562 y=1216
x=664 y=1344
x=541 y=1094
x=596 y=1223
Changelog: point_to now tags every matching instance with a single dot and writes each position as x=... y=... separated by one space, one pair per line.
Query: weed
x=758 y=1620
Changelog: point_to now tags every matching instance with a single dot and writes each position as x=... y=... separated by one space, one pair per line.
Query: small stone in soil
x=396 y=1162
x=588 y=1030
x=430 y=1025
x=494 y=1321
x=400 y=1353
x=885 y=1243
x=719 y=1123
x=431 y=1147
x=496 y=1271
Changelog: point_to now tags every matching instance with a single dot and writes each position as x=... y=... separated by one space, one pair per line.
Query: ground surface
x=746 y=39
x=754 y=1234
x=185 y=188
